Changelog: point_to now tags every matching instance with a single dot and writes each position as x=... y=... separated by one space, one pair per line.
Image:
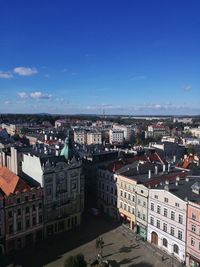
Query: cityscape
x=99 y=133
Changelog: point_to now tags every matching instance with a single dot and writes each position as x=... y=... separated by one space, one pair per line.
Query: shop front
x=142 y=231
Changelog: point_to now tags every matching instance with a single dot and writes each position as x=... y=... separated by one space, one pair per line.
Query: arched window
x=165 y=242
x=176 y=249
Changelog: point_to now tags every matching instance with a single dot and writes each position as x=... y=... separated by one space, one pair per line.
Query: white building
x=63 y=190
x=156 y=130
x=116 y=136
x=128 y=131
x=167 y=222
x=80 y=137
x=195 y=131
x=94 y=138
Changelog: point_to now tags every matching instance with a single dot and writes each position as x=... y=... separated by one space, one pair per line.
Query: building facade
x=80 y=137
x=107 y=192
x=127 y=201
x=142 y=194
x=23 y=219
x=2 y=227
x=63 y=196
x=116 y=136
x=167 y=222
x=94 y=138
x=193 y=235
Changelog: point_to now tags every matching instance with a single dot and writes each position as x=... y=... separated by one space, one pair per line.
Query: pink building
x=193 y=235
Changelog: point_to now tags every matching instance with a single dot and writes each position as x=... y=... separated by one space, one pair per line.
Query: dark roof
x=184 y=188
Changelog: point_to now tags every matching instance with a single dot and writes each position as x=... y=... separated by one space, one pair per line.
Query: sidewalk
x=164 y=258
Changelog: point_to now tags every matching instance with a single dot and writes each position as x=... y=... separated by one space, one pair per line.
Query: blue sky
x=123 y=57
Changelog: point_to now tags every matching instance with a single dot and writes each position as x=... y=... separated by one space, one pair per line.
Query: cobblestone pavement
x=120 y=247
x=122 y=251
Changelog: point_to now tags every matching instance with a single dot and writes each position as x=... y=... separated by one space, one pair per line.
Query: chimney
x=164 y=168
x=156 y=169
x=169 y=166
x=149 y=174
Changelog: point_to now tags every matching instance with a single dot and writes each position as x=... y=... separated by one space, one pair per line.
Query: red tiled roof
x=10 y=182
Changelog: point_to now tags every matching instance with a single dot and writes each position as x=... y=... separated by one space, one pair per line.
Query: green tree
x=75 y=261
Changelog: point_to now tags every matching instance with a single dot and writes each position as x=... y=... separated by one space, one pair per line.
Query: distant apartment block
x=128 y=131
x=94 y=138
x=116 y=136
x=80 y=137
x=156 y=130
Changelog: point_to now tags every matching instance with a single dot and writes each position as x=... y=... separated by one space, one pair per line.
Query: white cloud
x=5 y=75
x=7 y=102
x=40 y=95
x=25 y=71
x=23 y=95
x=187 y=88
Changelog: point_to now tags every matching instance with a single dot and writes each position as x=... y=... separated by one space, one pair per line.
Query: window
x=27 y=223
x=10 y=229
x=152 y=206
x=129 y=209
x=158 y=224
x=156 y=196
x=133 y=198
x=173 y=215
x=33 y=208
x=177 y=204
x=10 y=214
x=152 y=221
x=19 y=226
x=33 y=196
x=133 y=210
x=19 y=212
x=121 y=193
x=176 y=249
x=180 y=218
x=40 y=205
x=120 y=204
x=193 y=228
x=164 y=227
x=139 y=201
x=124 y=206
x=158 y=209
x=144 y=204
x=172 y=231
x=144 y=217
x=26 y=198
x=166 y=199
x=40 y=218
x=18 y=200
x=165 y=212
x=125 y=194
x=27 y=209
x=139 y=216
x=180 y=235
x=34 y=221
x=194 y=216
x=165 y=243
x=129 y=196
x=192 y=241
x=199 y=245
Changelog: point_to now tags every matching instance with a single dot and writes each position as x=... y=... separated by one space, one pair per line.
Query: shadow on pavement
x=53 y=248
